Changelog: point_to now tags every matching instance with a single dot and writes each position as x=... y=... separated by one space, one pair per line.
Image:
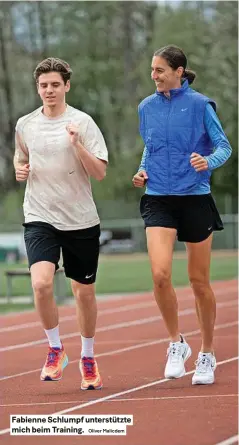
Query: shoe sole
x=47 y=378
x=197 y=382
x=189 y=353
x=92 y=388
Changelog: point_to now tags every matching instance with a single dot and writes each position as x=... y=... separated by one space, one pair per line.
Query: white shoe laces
x=203 y=364
x=174 y=352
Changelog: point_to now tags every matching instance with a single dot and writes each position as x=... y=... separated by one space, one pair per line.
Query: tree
x=109 y=46
x=7 y=113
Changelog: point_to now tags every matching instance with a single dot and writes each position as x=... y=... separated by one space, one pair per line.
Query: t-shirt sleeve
x=94 y=141
x=21 y=151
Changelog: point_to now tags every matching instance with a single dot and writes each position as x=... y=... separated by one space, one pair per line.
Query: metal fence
x=117 y=236
x=127 y=235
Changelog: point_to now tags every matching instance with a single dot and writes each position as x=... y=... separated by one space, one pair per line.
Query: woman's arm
x=222 y=147
x=143 y=160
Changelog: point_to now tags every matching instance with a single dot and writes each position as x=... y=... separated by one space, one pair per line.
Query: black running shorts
x=79 y=248
x=194 y=217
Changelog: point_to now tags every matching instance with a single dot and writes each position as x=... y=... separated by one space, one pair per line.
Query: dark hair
x=53 y=64
x=175 y=57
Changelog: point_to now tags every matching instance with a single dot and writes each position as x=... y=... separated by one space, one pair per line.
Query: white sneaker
x=205 y=367
x=177 y=354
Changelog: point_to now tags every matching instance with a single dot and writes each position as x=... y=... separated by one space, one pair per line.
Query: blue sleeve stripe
x=143 y=160
x=222 y=147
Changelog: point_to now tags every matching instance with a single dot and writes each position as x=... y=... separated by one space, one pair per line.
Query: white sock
x=53 y=337
x=87 y=346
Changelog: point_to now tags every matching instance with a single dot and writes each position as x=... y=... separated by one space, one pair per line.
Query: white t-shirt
x=58 y=189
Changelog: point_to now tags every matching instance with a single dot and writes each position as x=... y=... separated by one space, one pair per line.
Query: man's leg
x=43 y=251
x=86 y=310
x=80 y=255
x=160 y=241
x=42 y=275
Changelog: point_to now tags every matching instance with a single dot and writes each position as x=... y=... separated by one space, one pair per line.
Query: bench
x=12 y=273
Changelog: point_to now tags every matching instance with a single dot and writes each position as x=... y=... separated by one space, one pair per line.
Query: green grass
x=15 y=307
x=133 y=276
x=122 y=274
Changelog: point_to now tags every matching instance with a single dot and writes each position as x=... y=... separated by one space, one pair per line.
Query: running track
x=131 y=344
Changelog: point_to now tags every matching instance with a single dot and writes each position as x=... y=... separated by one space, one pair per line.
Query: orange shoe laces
x=88 y=366
x=52 y=357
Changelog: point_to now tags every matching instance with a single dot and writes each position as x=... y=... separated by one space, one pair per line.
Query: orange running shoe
x=90 y=374
x=56 y=361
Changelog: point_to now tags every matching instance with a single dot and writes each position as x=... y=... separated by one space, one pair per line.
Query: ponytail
x=189 y=75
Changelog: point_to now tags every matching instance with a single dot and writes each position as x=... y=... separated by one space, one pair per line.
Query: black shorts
x=80 y=249
x=194 y=217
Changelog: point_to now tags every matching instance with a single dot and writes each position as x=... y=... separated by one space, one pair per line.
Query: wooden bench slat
x=11 y=273
x=26 y=272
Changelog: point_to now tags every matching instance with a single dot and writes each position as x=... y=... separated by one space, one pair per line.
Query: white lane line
x=119 y=394
x=129 y=348
x=58 y=402
x=128 y=391
x=209 y=396
x=125 y=324
x=230 y=441
x=125 y=308
x=7 y=430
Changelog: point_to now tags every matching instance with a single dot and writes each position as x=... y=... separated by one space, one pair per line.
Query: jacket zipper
x=169 y=163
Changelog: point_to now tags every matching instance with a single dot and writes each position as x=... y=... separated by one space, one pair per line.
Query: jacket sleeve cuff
x=209 y=162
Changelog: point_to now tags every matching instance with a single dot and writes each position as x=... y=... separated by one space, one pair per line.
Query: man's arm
x=21 y=159
x=92 y=151
x=21 y=156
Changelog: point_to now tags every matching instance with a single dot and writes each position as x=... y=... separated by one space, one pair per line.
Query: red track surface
x=165 y=413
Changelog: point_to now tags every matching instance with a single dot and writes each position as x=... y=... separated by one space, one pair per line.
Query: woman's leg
x=199 y=256
x=160 y=247
x=160 y=242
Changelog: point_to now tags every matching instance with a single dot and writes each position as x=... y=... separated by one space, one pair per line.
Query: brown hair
x=175 y=57
x=53 y=64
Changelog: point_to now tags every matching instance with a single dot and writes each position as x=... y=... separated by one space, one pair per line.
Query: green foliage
x=109 y=46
